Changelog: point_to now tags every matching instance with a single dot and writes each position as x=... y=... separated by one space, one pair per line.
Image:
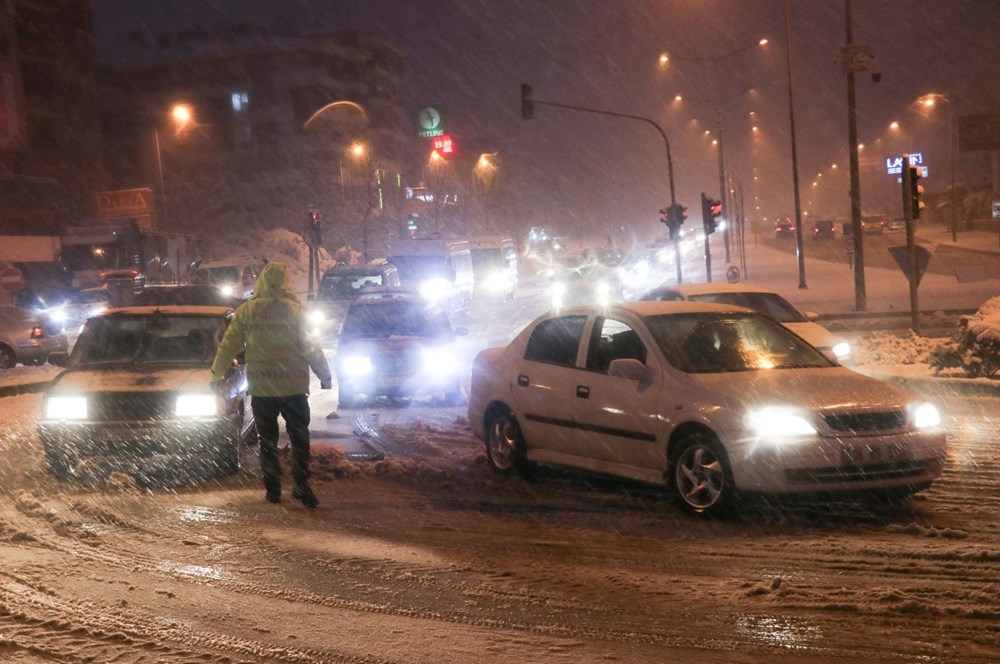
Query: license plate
x=862 y=455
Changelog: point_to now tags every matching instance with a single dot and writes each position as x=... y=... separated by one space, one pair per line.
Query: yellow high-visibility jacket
x=271 y=327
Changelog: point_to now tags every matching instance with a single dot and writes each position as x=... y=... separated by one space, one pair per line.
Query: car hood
x=173 y=379
x=815 y=335
x=821 y=389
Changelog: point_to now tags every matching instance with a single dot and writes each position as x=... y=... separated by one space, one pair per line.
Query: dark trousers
x=295 y=411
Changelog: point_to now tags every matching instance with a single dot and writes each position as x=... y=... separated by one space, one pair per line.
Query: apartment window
x=241 y=102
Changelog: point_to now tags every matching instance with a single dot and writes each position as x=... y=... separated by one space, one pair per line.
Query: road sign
x=733 y=274
x=849 y=244
x=10 y=278
x=902 y=258
x=123 y=203
x=430 y=124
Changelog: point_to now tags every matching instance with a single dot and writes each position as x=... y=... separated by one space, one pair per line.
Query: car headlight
x=776 y=422
x=66 y=408
x=316 y=317
x=496 y=281
x=227 y=290
x=196 y=405
x=926 y=416
x=434 y=289
x=842 y=350
x=57 y=315
x=439 y=361
x=357 y=365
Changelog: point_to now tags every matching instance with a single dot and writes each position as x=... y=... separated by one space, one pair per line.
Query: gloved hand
x=326 y=384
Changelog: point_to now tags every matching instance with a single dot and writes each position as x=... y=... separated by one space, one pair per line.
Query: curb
x=948 y=386
x=24 y=388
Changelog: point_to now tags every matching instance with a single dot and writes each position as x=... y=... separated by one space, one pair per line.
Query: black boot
x=304 y=493
x=273 y=494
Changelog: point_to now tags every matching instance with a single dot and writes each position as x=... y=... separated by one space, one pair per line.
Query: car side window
x=667 y=296
x=556 y=341
x=613 y=340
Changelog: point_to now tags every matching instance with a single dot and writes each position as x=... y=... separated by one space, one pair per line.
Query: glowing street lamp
x=929 y=101
x=182 y=116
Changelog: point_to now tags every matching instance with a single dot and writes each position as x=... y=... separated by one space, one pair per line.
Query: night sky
x=579 y=171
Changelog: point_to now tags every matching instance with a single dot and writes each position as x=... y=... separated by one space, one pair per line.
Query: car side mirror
x=811 y=315
x=629 y=368
x=59 y=358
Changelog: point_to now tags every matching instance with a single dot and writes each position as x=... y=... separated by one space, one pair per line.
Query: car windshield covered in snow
x=151 y=338
x=769 y=304
x=719 y=343
x=379 y=319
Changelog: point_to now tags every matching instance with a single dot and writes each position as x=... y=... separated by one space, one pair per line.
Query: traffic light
x=314 y=229
x=710 y=210
x=679 y=213
x=527 y=105
x=915 y=190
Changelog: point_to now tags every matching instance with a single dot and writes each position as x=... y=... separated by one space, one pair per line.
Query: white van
x=441 y=270
x=494 y=264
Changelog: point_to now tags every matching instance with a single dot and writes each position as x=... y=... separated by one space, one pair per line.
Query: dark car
x=784 y=228
x=136 y=388
x=340 y=285
x=824 y=230
x=395 y=346
x=873 y=226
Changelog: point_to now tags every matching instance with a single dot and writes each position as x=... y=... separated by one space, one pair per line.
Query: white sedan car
x=764 y=301
x=709 y=400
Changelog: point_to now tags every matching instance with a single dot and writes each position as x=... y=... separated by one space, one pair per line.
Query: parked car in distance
x=397 y=344
x=233 y=275
x=784 y=228
x=824 y=230
x=494 y=267
x=873 y=226
x=340 y=285
x=895 y=225
x=761 y=300
x=27 y=337
x=136 y=386
x=709 y=400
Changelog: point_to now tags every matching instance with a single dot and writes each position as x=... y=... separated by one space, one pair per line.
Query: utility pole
x=800 y=249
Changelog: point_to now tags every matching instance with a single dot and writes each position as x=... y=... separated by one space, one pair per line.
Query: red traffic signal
x=711 y=210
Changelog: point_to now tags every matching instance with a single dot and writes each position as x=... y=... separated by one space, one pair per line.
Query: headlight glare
x=66 y=408
x=776 y=422
x=926 y=416
x=316 y=317
x=438 y=361
x=842 y=350
x=434 y=289
x=196 y=405
x=357 y=365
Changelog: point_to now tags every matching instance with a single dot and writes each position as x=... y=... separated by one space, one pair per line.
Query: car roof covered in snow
x=707 y=289
x=170 y=310
x=655 y=308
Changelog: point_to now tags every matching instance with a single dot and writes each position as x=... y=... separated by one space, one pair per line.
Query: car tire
x=700 y=476
x=506 y=450
x=7 y=358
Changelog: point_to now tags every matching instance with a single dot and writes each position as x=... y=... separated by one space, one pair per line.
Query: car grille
x=131 y=406
x=866 y=422
x=866 y=473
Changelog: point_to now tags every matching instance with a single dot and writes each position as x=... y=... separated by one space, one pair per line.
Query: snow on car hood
x=815 y=335
x=832 y=389
x=125 y=380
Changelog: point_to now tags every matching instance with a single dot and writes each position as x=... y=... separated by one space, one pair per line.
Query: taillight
x=37 y=332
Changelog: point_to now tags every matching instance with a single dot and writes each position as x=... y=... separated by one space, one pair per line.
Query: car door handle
x=522 y=380
x=583 y=391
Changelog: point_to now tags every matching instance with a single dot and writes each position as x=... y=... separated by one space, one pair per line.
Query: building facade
x=268 y=133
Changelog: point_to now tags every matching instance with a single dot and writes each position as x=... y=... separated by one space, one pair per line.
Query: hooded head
x=273 y=282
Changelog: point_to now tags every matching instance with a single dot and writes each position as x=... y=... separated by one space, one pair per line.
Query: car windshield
x=184 y=295
x=229 y=274
x=414 y=269
x=151 y=338
x=485 y=259
x=722 y=343
x=346 y=286
x=769 y=304
x=389 y=318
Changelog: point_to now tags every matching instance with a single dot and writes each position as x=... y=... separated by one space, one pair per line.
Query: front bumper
x=839 y=464
x=135 y=439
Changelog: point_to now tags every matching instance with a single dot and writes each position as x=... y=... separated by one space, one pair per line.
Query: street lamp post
x=929 y=100
x=799 y=248
x=182 y=116
x=716 y=61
